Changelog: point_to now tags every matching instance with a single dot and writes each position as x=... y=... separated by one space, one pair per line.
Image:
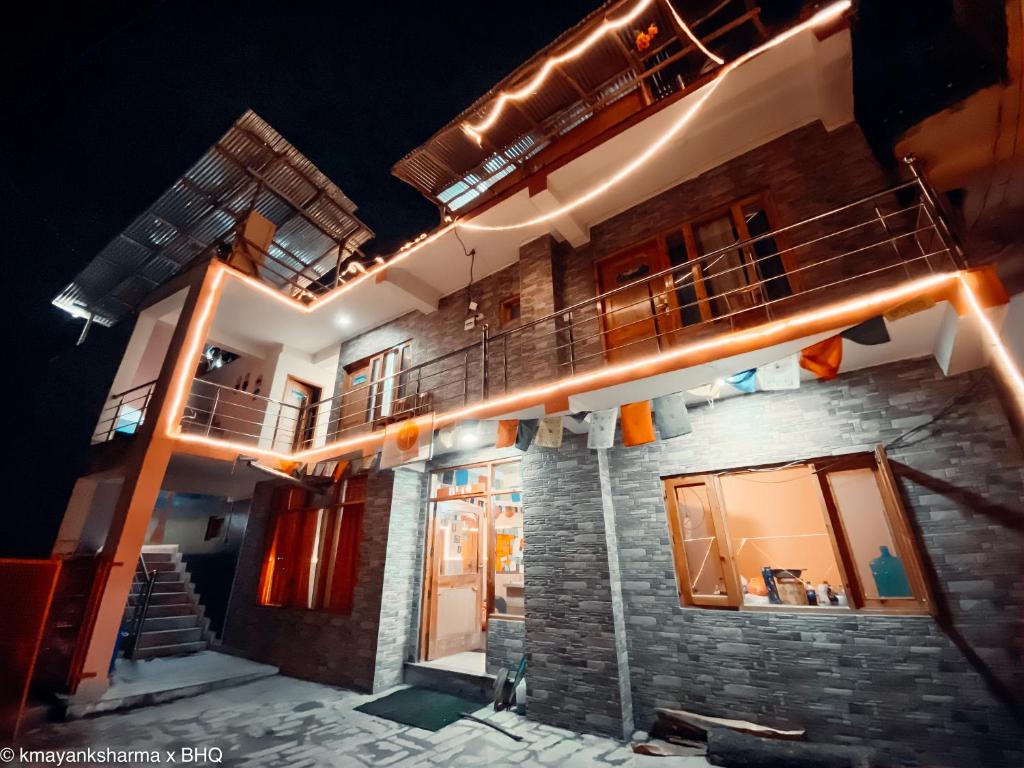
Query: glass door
x=456 y=619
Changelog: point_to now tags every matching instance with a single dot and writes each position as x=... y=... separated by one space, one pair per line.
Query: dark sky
x=106 y=103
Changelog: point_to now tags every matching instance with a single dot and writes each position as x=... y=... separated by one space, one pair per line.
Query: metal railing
x=874 y=242
x=143 y=582
x=123 y=413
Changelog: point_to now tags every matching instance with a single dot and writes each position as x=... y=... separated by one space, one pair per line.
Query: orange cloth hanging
x=507 y=429
x=637 y=423
x=824 y=358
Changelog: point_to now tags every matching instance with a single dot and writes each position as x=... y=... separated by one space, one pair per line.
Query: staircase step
x=165 y=637
x=159 y=566
x=171 y=610
x=179 y=597
x=169 y=650
x=161 y=623
x=169 y=576
x=157 y=557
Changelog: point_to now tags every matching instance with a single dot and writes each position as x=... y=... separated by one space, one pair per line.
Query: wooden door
x=640 y=319
x=456 y=598
x=299 y=420
x=355 y=403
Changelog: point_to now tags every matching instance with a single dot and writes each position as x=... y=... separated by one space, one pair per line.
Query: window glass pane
x=778 y=532
x=459 y=481
x=457 y=536
x=506 y=476
x=508 y=554
x=724 y=275
x=879 y=567
x=700 y=540
x=766 y=253
x=686 y=293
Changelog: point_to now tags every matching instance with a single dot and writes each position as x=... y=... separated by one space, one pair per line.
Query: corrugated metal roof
x=250 y=168
x=452 y=169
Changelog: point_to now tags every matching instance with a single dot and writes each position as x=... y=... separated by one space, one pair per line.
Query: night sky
x=105 y=104
x=108 y=103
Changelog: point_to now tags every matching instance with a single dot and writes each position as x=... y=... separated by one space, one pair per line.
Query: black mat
x=419 y=707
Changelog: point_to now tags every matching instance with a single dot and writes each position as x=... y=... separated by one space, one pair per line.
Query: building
x=806 y=509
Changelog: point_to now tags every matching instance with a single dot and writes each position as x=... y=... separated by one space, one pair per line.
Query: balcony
x=123 y=413
x=880 y=241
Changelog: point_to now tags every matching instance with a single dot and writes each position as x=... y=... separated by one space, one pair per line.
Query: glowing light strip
x=1004 y=360
x=476 y=130
x=693 y=38
x=198 y=333
x=821 y=17
x=547 y=392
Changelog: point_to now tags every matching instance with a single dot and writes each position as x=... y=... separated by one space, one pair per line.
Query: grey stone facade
x=572 y=661
x=506 y=644
x=328 y=647
x=887 y=679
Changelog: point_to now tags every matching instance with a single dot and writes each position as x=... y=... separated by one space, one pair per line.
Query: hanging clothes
x=637 y=424
x=824 y=358
x=671 y=416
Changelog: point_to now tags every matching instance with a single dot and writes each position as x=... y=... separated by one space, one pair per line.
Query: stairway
x=174 y=624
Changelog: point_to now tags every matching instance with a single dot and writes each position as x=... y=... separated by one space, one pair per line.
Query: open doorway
x=474 y=561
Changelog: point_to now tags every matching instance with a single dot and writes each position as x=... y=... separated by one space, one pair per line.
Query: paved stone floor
x=280 y=721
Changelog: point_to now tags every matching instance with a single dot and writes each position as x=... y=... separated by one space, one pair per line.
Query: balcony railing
x=123 y=413
x=874 y=242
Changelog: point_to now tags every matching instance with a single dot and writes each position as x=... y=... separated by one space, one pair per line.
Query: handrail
x=836 y=248
x=143 y=599
x=129 y=391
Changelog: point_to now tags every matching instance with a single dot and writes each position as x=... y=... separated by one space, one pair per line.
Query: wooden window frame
x=374 y=398
x=505 y=318
x=669 y=313
x=336 y=544
x=922 y=601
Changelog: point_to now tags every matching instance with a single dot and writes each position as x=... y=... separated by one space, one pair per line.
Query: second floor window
x=720 y=283
x=374 y=386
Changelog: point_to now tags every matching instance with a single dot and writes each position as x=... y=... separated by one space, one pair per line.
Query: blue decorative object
x=517 y=497
x=462 y=477
x=890 y=576
x=744 y=381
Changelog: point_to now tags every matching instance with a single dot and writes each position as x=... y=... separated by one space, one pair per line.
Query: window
x=312 y=553
x=822 y=534
x=375 y=386
x=509 y=311
x=214 y=528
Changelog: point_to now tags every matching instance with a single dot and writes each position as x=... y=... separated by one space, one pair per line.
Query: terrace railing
x=123 y=412
x=870 y=243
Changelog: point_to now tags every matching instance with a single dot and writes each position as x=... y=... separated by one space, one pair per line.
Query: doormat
x=420 y=708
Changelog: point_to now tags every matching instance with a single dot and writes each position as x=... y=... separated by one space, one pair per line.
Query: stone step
x=158 y=557
x=167 y=637
x=170 y=576
x=172 y=610
x=181 y=649
x=160 y=566
x=161 y=623
x=477 y=687
x=176 y=597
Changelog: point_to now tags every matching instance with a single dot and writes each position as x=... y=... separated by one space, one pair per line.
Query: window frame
x=376 y=394
x=505 y=318
x=895 y=515
x=343 y=517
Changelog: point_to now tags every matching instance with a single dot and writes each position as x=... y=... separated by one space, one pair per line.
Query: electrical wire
x=471 y=254
x=955 y=402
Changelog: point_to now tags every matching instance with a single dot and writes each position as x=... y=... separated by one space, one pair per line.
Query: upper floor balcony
x=712 y=297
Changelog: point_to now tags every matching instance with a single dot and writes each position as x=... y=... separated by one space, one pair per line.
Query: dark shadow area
x=1005 y=516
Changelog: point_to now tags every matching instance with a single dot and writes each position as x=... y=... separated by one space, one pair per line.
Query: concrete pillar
x=577 y=673
x=144 y=470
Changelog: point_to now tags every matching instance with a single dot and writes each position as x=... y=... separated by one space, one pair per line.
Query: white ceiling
x=811 y=77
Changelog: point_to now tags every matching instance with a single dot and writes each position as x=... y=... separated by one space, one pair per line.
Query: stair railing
x=142 y=600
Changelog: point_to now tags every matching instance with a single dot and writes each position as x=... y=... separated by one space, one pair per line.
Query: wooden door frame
x=670 y=314
x=308 y=413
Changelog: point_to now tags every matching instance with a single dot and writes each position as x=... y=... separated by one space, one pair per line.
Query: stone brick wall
x=505 y=644
x=858 y=677
x=327 y=647
x=806 y=172
x=572 y=663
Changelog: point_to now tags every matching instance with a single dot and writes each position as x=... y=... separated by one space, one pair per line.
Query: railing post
x=213 y=409
x=483 y=362
x=145 y=402
x=113 y=419
x=934 y=208
x=572 y=354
